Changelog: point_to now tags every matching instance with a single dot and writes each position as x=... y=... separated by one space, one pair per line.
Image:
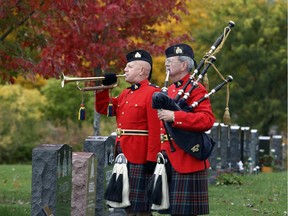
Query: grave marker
x=51 y=179
x=84 y=175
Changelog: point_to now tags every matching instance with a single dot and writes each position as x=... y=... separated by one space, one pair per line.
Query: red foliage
x=82 y=35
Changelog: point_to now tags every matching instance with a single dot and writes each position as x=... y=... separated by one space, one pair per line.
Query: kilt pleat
x=188 y=193
x=138 y=182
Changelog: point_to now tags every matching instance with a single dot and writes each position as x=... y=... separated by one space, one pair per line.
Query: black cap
x=179 y=50
x=140 y=55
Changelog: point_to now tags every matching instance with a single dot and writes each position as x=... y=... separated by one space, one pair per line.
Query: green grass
x=265 y=194
x=15 y=190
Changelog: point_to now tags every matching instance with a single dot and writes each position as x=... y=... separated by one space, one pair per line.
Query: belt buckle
x=119 y=132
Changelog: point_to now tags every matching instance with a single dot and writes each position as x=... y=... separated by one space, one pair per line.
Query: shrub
x=229 y=179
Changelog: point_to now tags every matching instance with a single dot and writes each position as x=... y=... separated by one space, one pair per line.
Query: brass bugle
x=65 y=79
x=95 y=88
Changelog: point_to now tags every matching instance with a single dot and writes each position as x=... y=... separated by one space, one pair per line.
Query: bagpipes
x=197 y=144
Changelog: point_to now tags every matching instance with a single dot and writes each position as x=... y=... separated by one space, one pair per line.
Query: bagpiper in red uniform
x=201 y=119
x=188 y=188
x=138 y=134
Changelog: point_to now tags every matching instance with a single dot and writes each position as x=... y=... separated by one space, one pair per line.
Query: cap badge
x=137 y=55
x=178 y=50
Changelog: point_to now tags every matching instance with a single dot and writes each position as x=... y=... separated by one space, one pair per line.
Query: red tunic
x=201 y=119
x=133 y=111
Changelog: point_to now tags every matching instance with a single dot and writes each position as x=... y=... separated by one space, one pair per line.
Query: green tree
x=255 y=54
x=20 y=122
x=64 y=103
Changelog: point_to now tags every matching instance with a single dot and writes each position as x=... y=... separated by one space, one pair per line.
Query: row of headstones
x=235 y=144
x=71 y=183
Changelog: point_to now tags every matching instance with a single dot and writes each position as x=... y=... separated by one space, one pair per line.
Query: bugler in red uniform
x=133 y=110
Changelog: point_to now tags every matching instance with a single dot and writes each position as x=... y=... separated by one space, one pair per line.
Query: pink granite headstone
x=84 y=171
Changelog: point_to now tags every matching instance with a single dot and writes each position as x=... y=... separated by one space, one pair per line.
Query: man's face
x=173 y=65
x=132 y=70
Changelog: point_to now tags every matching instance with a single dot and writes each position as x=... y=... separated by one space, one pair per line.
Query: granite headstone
x=264 y=145
x=96 y=145
x=214 y=133
x=224 y=142
x=277 y=151
x=234 y=153
x=51 y=179
x=84 y=174
x=245 y=144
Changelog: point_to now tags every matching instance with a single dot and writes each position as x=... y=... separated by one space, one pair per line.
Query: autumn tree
x=77 y=37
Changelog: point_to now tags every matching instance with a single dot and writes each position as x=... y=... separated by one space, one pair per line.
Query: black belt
x=128 y=132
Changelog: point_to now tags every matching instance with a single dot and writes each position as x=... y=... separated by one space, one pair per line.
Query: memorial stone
x=254 y=147
x=51 y=179
x=264 y=145
x=224 y=140
x=96 y=145
x=277 y=151
x=245 y=144
x=214 y=134
x=84 y=172
x=103 y=149
x=109 y=157
x=234 y=152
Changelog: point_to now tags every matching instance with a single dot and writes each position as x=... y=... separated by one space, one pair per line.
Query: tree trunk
x=96 y=122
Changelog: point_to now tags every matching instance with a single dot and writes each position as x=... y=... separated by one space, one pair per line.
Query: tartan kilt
x=188 y=193
x=138 y=182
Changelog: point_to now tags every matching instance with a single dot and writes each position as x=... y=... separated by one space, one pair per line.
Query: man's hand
x=166 y=115
x=110 y=78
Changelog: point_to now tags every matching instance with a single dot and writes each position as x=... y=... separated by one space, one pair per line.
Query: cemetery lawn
x=265 y=194
x=15 y=189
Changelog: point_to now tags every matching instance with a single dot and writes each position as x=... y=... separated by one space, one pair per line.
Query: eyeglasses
x=169 y=61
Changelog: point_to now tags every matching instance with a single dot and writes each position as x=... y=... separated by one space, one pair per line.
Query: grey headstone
x=224 y=139
x=51 y=179
x=109 y=158
x=277 y=151
x=254 y=147
x=84 y=172
x=264 y=145
x=214 y=133
x=245 y=144
x=234 y=154
x=96 y=145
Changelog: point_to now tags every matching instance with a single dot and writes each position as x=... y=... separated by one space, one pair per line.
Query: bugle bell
x=64 y=79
